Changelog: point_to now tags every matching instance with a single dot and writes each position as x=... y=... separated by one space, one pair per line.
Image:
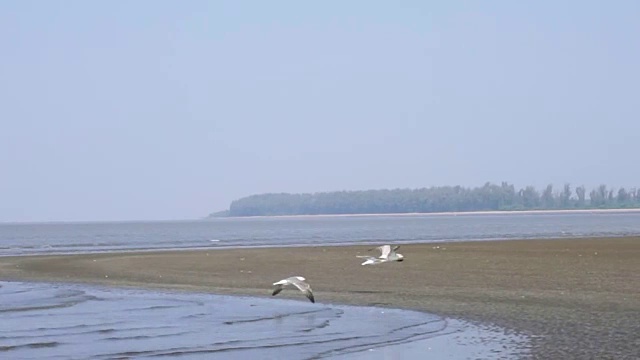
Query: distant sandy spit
x=576 y=298
x=452 y=213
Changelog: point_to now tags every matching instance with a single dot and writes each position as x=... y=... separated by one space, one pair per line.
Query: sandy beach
x=576 y=298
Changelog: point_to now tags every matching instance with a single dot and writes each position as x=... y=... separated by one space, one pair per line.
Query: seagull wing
x=277 y=290
x=371 y=260
x=392 y=253
x=381 y=249
x=305 y=288
x=386 y=250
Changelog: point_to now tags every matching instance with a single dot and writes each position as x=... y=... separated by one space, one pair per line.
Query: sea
x=72 y=321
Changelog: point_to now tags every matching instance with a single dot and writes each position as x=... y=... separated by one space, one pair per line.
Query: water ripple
x=122 y=323
x=29 y=346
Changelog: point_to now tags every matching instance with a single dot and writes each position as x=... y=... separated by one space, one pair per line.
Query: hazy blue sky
x=171 y=109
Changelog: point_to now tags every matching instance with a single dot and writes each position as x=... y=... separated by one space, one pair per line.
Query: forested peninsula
x=489 y=197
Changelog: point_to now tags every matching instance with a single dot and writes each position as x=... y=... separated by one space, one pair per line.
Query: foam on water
x=42 y=320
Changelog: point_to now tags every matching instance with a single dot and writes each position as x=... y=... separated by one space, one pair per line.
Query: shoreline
x=575 y=298
x=451 y=213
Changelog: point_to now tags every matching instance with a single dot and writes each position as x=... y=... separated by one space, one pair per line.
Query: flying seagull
x=297 y=281
x=386 y=254
x=371 y=260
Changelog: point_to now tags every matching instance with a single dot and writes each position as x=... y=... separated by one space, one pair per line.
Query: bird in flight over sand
x=371 y=260
x=386 y=254
x=297 y=281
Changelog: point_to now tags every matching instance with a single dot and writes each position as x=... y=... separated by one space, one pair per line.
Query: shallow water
x=65 y=321
x=43 y=238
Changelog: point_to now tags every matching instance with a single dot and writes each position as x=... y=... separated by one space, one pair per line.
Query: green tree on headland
x=434 y=199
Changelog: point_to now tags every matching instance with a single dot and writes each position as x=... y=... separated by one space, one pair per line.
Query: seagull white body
x=297 y=281
x=371 y=260
x=386 y=254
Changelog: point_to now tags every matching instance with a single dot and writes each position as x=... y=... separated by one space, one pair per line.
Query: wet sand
x=576 y=298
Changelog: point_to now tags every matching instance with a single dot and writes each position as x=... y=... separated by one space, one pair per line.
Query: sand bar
x=577 y=298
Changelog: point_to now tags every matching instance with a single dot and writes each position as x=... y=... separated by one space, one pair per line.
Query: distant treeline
x=434 y=199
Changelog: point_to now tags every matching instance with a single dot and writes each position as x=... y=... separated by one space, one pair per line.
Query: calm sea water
x=18 y=239
x=64 y=321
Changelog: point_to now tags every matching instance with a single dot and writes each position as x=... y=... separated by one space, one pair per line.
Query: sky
x=157 y=110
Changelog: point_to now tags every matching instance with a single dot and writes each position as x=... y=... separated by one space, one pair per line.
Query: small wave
x=176 y=352
x=444 y=325
x=377 y=344
x=194 y=316
x=139 y=328
x=30 y=346
x=322 y=325
x=36 y=307
x=155 y=307
x=143 y=337
x=275 y=317
x=56 y=302
x=17 y=335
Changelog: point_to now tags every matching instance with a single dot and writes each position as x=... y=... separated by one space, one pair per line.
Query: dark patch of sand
x=577 y=298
